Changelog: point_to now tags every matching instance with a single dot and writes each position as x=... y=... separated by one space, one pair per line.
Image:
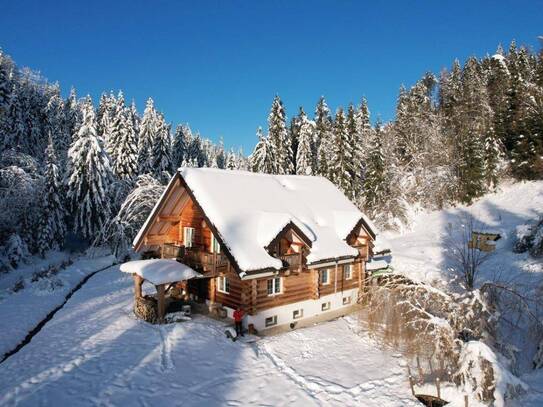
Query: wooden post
x=161 y=304
x=138 y=281
x=465 y=400
x=335 y=278
x=412 y=385
x=438 y=388
x=420 y=370
x=254 y=295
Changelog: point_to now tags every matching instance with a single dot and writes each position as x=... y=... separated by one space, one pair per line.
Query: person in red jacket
x=238 y=318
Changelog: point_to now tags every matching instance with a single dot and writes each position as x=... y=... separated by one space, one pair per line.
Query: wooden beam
x=254 y=296
x=138 y=281
x=161 y=302
x=172 y=219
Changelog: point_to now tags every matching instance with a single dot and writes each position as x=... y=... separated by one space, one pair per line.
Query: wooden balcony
x=292 y=262
x=195 y=257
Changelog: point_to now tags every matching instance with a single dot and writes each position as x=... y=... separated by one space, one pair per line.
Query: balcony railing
x=292 y=261
x=195 y=257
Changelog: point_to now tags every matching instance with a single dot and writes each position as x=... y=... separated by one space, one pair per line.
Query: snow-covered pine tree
x=115 y=126
x=262 y=159
x=231 y=160
x=125 y=163
x=220 y=156
x=498 y=88
x=52 y=228
x=305 y=163
x=179 y=146
x=375 y=186
x=161 y=161
x=90 y=177
x=294 y=135
x=354 y=139
x=6 y=86
x=475 y=123
x=341 y=160
x=147 y=134
x=364 y=134
x=72 y=115
x=278 y=138
x=55 y=127
x=323 y=137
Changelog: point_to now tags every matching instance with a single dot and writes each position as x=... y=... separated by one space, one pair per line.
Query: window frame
x=327 y=271
x=349 y=298
x=349 y=267
x=225 y=285
x=185 y=234
x=273 y=321
x=326 y=306
x=215 y=246
x=274 y=286
x=300 y=312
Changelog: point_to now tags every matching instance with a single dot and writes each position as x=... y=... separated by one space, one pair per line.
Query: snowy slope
x=419 y=252
x=95 y=352
x=20 y=312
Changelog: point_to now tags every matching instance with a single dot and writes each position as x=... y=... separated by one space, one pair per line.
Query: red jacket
x=238 y=315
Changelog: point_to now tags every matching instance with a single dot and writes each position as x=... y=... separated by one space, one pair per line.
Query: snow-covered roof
x=381 y=245
x=376 y=265
x=160 y=271
x=249 y=210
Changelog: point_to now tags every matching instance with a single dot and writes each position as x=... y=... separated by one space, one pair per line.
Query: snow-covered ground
x=21 y=311
x=95 y=352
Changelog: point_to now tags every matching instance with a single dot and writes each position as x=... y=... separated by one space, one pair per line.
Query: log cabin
x=285 y=248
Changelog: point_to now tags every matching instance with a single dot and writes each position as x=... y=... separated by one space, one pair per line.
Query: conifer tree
x=148 y=129
x=161 y=148
x=55 y=126
x=124 y=156
x=375 y=191
x=179 y=146
x=305 y=163
x=72 y=115
x=341 y=168
x=262 y=159
x=90 y=177
x=52 y=228
x=278 y=137
x=323 y=137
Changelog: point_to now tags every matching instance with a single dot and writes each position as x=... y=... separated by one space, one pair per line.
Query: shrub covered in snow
x=483 y=373
x=15 y=250
x=530 y=239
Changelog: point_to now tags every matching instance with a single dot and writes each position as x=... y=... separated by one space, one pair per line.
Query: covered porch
x=170 y=279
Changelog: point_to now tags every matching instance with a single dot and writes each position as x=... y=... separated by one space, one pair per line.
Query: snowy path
x=95 y=352
x=22 y=311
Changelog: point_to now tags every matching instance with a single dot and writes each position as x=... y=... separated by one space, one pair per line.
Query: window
x=326 y=306
x=346 y=300
x=215 y=247
x=297 y=314
x=271 y=321
x=223 y=285
x=347 y=271
x=325 y=277
x=188 y=236
x=274 y=286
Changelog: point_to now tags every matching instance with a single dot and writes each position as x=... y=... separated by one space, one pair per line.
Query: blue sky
x=217 y=65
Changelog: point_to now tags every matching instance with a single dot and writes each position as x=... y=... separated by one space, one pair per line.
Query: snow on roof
x=249 y=210
x=160 y=271
x=376 y=265
x=381 y=245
